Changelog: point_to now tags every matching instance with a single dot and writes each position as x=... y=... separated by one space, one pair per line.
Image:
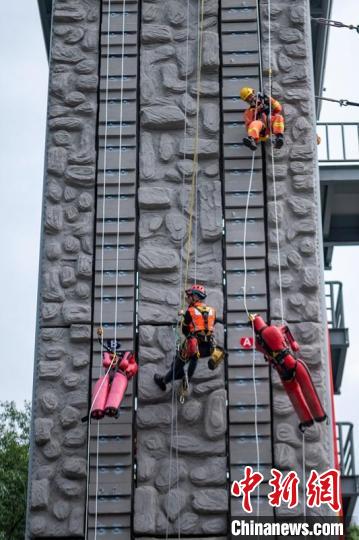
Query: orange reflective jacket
x=257 y=113
x=203 y=318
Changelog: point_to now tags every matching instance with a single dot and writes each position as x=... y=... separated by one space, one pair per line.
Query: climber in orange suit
x=259 y=125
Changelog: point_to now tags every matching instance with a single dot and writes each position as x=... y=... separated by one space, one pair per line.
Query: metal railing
x=334 y=304
x=345 y=448
x=339 y=142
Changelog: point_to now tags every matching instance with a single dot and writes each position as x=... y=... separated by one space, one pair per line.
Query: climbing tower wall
x=57 y=486
x=157 y=135
x=187 y=492
x=300 y=236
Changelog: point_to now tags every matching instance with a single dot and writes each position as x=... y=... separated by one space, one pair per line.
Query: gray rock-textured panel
x=297 y=182
x=57 y=490
x=188 y=488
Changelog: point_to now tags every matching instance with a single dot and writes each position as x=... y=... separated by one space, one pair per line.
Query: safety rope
x=171 y=449
x=255 y=413
x=273 y=165
x=195 y=157
x=276 y=219
x=195 y=153
x=119 y=167
x=247 y=312
x=304 y=478
x=177 y=466
x=102 y=258
x=245 y=237
x=103 y=248
x=336 y=24
x=245 y=273
x=342 y=102
x=174 y=407
x=101 y=290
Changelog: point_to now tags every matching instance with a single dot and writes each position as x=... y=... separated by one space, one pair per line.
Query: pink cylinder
x=132 y=370
x=107 y=360
x=115 y=396
x=99 y=397
x=123 y=364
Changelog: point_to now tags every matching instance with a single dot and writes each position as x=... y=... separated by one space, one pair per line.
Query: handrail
x=339 y=142
x=346 y=448
x=334 y=304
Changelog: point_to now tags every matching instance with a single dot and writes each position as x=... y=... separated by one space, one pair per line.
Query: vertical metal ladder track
x=115 y=472
x=240 y=67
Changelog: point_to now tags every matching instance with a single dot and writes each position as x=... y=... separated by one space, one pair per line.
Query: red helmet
x=197 y=290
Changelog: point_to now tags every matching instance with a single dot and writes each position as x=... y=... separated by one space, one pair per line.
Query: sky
x=23 y=99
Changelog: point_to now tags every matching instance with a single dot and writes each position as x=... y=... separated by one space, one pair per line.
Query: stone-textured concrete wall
x=299 y=230
x=58 y=454
x=197 y=501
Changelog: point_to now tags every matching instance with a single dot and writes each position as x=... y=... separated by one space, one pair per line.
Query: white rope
x=196 y=138
x=247 y=312
x=245 y=237
x=103 y=246
x=259 y=46
x=181 y=285
x=304 y=479
x=272 y=163
x=255 y=413
x=199 y=61
x=97 y=465
x=177 y=466
x=171 y=448
x=245 y=275
x=119 y=166
x=101 y=286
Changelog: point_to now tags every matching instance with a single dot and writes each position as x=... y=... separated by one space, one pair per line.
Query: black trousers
x=176 y=370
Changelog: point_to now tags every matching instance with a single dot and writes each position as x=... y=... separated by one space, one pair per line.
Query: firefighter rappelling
x=262 y=119
x=198 y=329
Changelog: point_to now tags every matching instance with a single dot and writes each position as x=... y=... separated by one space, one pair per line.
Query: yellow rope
x=195 y=155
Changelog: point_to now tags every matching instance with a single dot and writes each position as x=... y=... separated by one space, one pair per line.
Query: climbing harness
x=342 y=102
x=336 y=24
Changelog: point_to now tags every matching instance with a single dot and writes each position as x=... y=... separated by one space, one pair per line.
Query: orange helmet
x=197 y=290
